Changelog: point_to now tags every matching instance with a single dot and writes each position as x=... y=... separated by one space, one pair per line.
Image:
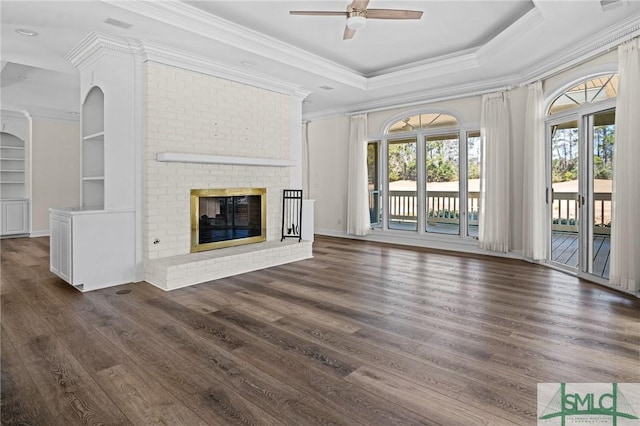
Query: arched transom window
x=589 y=91
x=423 y=122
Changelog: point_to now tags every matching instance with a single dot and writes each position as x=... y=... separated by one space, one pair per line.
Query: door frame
x=581 y=115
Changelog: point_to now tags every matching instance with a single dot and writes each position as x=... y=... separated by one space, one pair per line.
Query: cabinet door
x=15 y=217
x=60 y=247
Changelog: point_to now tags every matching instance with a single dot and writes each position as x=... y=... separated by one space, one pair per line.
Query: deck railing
x=566 y=212
x=444 y=207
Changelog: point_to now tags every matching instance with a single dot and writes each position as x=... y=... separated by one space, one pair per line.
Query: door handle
x=546 y=195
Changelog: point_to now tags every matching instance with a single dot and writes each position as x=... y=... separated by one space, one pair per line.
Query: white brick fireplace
x=199 y=132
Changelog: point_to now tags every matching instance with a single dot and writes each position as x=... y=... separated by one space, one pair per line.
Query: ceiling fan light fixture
x=356 y=22
x=26 y=32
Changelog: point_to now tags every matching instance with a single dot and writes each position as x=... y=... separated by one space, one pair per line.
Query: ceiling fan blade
x=359 y=4
x=316 y=13
x=348 y=33
x=393 y=14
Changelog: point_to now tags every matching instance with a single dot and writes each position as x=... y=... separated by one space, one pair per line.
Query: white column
x=295 y=124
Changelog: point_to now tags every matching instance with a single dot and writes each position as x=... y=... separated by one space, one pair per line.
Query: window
x=442 y=183
x=423 y=122
x=402 y=180
x=474 y=164
x=420 y=170
x=590 y=91
x=580 y=148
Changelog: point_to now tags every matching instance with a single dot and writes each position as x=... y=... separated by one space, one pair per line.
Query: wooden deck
x=361 y=334
x=565 y=251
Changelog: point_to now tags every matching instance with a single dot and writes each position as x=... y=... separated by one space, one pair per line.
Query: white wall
x=55 y=169
x=328 y=166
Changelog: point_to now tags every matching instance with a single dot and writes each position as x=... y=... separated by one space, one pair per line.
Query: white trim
x=523 y=25
x=95 y=45
x=560 y=62
x=419 y=111
x=602 y=42
x=185 y=17
x=575 y=78
x=456 y=62
x=177 y=157
x=181 y=59
x=42 y=233
x=459 y=246
x=417 y=98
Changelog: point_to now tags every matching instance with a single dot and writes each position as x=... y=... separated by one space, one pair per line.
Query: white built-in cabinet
x=14 y=175
x=15 y=217
x=92 y=249
x=95 y=245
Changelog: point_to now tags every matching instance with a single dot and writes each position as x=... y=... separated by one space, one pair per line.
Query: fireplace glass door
x=226 y=220
x=229 y=218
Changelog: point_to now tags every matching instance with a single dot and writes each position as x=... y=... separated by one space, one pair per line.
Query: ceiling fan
x=357 y=15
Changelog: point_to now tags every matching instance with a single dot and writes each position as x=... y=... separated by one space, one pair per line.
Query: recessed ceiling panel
x=445 y=28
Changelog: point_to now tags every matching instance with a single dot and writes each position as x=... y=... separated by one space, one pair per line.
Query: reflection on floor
x=564 y=245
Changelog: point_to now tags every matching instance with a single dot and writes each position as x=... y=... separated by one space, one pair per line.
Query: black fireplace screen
x=229 y=218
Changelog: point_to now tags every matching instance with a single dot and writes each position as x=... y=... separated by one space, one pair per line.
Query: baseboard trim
x=43 y=233
x=462 y=246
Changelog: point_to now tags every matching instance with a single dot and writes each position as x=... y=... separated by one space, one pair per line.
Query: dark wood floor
x=361 y=334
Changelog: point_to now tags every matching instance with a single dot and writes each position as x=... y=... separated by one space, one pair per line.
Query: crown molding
x=520 y=27
x=94 y=45
x=185 y=17
x=418 y=98
x=181 y=59
x=21 y=112
x=9 y=111
x=459 y=61
x=52 y=114
x=594 y=46
x=602 y=42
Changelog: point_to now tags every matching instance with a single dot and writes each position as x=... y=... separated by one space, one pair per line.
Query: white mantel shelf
x=178 y=157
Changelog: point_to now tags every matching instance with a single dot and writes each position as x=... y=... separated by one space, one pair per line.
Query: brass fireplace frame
x=226 y=192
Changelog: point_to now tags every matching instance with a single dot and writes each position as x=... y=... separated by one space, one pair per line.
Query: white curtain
x=534 y=231
x=494 y=221
x=625 y=216
x=358 y=222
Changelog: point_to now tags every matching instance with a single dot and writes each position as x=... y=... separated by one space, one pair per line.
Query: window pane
x=604 y=135
x=424 y=121
x=442 y=186
x=374 y=182
x=409 y=124
x=593 y=90
x=565 y=212
x=403 y=202
x=435 y=121
x=474 y=148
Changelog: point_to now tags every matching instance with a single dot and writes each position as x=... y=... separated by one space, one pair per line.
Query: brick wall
x=189 y=112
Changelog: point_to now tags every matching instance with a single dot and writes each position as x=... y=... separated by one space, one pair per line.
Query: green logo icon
x=577 y=405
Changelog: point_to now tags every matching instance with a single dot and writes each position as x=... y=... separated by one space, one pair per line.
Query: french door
x=579 y=183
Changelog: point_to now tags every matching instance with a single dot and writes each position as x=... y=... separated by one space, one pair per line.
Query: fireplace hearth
x=227 y=217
